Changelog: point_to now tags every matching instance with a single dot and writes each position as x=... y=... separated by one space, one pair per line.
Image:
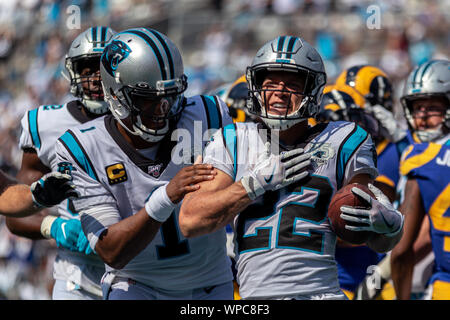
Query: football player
x=374 y=86
x=77 y=272
x=278 y=202
x=343 y=103
x=19 y=200
x=426 y=168
x=134 y=167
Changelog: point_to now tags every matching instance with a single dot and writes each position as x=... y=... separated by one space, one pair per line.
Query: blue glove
x=83 y=244
x=66 y=233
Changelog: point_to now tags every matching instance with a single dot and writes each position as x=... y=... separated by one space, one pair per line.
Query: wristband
x=158 y=206
x=46 y=226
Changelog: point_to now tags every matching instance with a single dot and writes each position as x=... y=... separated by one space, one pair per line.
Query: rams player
x=276 y=202
x=132 y=175
x=426 y=103
x=77 y=273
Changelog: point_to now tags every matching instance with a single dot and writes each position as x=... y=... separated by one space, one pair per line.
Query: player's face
x=90 y=79
x=281 y=92
x=428 y=113
x=153 y=112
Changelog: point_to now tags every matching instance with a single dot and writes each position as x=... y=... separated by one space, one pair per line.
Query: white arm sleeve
x=96 y=219
x=216 y=153
x=363 y=161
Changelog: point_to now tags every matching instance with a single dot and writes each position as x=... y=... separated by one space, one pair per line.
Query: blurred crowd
x=217 y=39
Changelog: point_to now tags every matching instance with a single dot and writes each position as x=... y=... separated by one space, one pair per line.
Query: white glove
x=389 y=125
x=275 y=171
x=380 y=218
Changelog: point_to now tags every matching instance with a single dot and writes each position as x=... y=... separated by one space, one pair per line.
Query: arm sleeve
x=97 y=207
x=363 y=161
x=216 y=153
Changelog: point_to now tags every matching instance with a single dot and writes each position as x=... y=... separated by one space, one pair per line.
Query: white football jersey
x=41 y=128
x=284 y=246
x=109 y=171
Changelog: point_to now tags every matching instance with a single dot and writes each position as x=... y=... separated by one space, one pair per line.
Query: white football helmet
x=430 y=79
x=290 y=54
x=84 y=52
x=139 y=65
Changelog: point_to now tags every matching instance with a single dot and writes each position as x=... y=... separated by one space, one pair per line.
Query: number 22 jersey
x=284 y=245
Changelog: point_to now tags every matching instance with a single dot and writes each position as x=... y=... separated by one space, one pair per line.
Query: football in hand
x=345 y=197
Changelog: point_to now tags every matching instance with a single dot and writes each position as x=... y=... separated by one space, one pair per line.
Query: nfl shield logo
x=155 y=171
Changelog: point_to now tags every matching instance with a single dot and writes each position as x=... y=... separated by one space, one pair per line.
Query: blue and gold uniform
x=388 y=160
x=429 y=164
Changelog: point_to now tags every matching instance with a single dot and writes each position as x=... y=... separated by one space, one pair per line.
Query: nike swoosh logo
x=271 y=176
x=64 y=230
x=389 y=225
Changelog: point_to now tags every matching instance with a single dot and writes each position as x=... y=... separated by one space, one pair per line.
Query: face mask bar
x=258 y=94
x=88 y=85
x=408 y=109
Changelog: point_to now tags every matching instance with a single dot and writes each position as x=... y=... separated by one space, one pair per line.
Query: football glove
x=51 y=189
x=67 y=233
x=380 y=218
x=389 y=126
x=273 y=172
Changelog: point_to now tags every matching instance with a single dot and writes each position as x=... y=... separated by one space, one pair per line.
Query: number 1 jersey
x=109 y=172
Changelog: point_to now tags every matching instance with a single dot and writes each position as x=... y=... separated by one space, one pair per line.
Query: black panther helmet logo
x=113 y=54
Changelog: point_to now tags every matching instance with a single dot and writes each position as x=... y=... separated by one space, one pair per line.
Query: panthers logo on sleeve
x=114 y=54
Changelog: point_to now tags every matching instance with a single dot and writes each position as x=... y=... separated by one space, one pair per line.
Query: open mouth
x=97 y=95
x=278 y=109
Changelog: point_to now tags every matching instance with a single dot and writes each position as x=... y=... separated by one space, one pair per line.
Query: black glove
x=53 y=188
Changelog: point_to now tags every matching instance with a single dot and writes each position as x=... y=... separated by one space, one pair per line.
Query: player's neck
x=135 y=141
x=292 y=135
x=90 y=115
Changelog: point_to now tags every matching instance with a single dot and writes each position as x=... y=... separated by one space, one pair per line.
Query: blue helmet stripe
x=425 y=70
x=94 y=36
x=103 y=39
x=166 y=49
x=280 y=45
x=153 y=45
x=290 y=47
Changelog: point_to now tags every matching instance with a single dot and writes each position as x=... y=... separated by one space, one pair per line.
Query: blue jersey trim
x=33 y=127
x=348 y=148
x=230 y=138
x=76 y=150
x=212 y=112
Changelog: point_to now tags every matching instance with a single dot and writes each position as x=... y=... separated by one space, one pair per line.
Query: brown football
x=346 y=197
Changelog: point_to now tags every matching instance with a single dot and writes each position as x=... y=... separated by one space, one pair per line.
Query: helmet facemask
x=86 y=82
x=429 y=134
x=148 y=110
x=285 y=115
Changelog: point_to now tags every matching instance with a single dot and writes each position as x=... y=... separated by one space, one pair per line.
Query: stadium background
x=217 y=39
